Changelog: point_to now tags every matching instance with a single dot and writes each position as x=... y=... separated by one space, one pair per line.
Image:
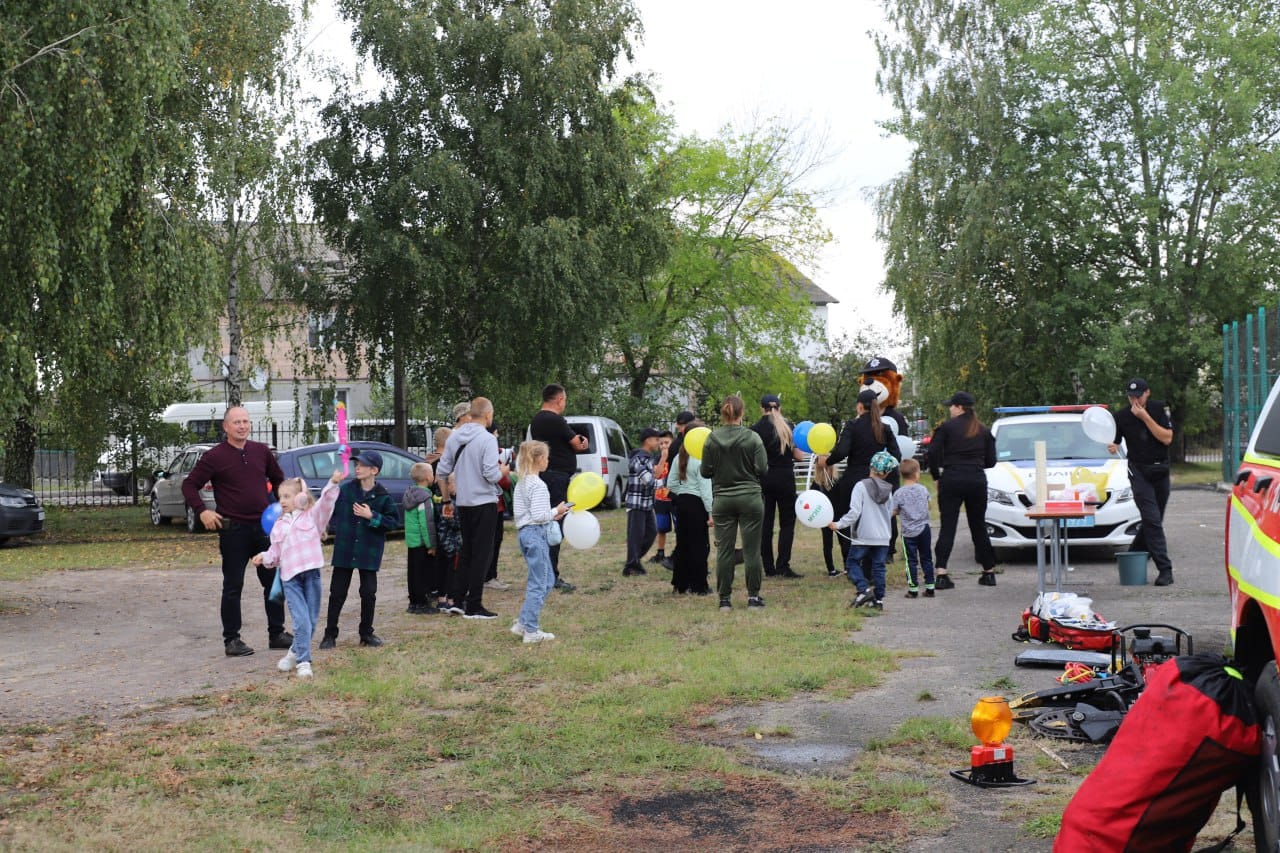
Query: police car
x=1073 y=459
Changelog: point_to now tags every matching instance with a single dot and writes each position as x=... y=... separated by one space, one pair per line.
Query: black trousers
x=477 y=552
x=968 y=489
x=779 y=489
x=338 y=587
x=239 y=541
x=557 y=483
x=418 y=574
x=1151 y=496
x=500 y=525
x=690 y=574
x=642 y=529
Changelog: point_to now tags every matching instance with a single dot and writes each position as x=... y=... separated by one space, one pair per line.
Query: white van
x=273 y=423
x=606 y=454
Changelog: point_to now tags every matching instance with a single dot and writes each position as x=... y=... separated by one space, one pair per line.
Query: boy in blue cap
x=362 y=517
x=870 y=515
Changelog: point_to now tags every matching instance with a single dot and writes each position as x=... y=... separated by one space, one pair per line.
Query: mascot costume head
x=881 y=375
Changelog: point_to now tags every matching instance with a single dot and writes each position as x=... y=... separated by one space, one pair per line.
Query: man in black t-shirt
x=1147 y=430
x=549 y=426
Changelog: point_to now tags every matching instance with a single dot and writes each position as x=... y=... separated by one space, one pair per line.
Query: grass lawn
x=455 y=735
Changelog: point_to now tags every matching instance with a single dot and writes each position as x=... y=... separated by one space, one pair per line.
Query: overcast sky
x=808 y=62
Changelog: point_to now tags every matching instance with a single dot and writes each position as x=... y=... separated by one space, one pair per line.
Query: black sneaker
x=878 y=604
x=1164 y=578
x=726 y=604
x=668 y=564
x=328 y=642
x=944 y=582
x=866 y=598
x=283 y=640
x=564 y=586
x=987 y=579
x=633 y=570
x=754 y=601
x=479 y=613
x=787 y=573
x=834 y=573
x=658 y=557
x=371 y=640
x=928 y=592
x=913 y=593
x=455 y=610
x=237 y=649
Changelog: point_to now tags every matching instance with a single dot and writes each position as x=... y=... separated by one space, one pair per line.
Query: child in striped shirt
x=295 y=548
x=534 y=518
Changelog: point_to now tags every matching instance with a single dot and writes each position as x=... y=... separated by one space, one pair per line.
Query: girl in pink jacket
x=295 y=548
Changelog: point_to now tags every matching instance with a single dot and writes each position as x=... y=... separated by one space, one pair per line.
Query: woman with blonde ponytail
x=778 y=486
x=733 y=459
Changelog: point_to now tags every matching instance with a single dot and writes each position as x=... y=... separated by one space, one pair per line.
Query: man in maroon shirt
x=240 y=471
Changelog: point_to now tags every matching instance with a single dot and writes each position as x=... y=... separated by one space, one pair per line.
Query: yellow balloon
x=694 y=439
x=586 y=490
x=822 y=438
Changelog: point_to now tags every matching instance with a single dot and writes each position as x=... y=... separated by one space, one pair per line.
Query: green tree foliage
x=101 y=280
x=1093 y=190
x=243 y=167
x=727 y=311
x=482 y=199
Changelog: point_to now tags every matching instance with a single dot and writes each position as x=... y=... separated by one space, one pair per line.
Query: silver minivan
x=606 y=454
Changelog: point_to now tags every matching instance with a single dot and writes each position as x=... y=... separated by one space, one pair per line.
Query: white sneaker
x=538 y=636
x=496 y=584
x=517 y=628
x=304 y=669
x=287 y=662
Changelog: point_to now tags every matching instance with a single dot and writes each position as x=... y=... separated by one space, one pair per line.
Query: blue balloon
x=269 y=516
x=801 y=435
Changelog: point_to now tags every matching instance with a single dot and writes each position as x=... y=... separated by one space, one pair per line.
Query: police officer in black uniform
x=1147 y=430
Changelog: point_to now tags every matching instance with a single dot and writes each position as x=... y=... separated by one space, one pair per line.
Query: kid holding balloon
x=535 y=527
x=295 y=549
x=869 y=515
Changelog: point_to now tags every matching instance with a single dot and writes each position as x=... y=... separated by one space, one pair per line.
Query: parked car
x=1072 y=457
x=20 y=513
x=315 y=463
x=167 y=502
x=1253 y=583
x=606 y=454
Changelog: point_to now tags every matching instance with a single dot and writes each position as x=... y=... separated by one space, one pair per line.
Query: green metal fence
x=1250 y=364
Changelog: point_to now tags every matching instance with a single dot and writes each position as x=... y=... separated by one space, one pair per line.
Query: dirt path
x=111 y=644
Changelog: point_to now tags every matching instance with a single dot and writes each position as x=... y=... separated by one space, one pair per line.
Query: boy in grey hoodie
x=871 y=516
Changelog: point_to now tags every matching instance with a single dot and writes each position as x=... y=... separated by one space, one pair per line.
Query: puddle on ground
x=805 y=756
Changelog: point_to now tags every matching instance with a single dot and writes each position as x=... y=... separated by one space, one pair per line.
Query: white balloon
x=581 y=530
x=906 y=447
x=1098 y=424
x=813 y=509
x=890 y=423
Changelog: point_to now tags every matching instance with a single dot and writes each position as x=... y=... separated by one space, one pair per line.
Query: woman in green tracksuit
x=734 y=460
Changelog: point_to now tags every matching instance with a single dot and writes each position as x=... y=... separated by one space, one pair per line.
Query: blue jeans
x=537 y=555
x=302 y=594
x=919 y=556
x=853 y=566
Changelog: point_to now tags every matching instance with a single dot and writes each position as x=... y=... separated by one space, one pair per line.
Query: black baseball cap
x=770 y=401
x=961 y=398
x=867 y=396
x=686 y=417
x=648 y=433
x=1136 y=387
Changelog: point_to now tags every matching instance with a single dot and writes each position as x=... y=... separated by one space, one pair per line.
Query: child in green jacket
x=419 y=537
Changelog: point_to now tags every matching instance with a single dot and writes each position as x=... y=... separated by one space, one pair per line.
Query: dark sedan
x=315 y=463
x=20 y=512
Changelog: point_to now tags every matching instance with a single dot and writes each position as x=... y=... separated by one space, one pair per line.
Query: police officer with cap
x=1147 y=430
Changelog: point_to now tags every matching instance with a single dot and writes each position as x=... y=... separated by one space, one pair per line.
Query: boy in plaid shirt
x=642 y=527
x=364 y=514
x=295 y=548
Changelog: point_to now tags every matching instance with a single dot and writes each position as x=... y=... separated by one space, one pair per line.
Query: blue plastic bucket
x=1133 y=568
